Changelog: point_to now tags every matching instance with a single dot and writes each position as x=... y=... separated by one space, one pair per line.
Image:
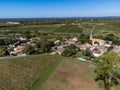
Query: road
x=1 y=58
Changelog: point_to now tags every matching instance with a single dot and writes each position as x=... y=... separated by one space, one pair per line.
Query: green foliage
x=87 y=52
x=99 y=36
x=116 y=42
x=35 y=34
x=28 y=49
x=70 y=50
x=3 y=52
x=45 y=45
x=111 y=37
x=96 y=42
x=4 y=25
x=109 y=48
x=84 y=38
x=69 y=22
x=107 y=70
x=27 y=34
x=38 y=44
x=7 y=41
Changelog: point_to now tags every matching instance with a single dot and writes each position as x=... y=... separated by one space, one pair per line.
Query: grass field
x=42 y=28
x=69 y=29
x=22 y=73
x=72 y=75
x=104 y=27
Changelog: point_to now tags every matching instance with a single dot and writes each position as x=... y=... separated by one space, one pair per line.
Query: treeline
x=7 y=41
x=5 y=25
x=110 y=38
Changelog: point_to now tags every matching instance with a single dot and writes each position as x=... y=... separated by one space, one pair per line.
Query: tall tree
x=108 y=70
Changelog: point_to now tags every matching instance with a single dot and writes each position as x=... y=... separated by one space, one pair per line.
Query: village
x=97 y=47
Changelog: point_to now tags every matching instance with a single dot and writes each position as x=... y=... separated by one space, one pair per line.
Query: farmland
x=102 y=27
x=47 y=72
x=72 y=75
x=22 y=73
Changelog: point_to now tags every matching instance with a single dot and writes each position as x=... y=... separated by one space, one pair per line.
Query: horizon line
x=59 y=17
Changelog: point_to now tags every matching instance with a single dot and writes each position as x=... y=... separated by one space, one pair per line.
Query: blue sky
x=58 y=8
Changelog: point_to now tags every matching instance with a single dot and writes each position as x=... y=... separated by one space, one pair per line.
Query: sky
x=58 y=8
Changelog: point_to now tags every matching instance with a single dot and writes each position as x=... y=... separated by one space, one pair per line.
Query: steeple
x=91 y=35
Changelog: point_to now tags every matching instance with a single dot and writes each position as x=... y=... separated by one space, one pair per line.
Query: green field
x=69 y=29
x=102 y=27
x=23 y=73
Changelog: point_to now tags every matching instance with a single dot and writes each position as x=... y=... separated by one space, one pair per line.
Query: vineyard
x=22 y=73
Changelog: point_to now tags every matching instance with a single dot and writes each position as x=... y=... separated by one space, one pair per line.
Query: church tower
x=91 y=35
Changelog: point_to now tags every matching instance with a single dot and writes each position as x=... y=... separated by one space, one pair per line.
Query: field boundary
x=45 y=76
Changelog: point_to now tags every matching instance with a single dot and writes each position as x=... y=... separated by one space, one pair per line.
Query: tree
x=27 y=34
x=84 y=39
x=3 y=52
x=70 y=50
x=7 y=41
x=43 y=47
x=28 y=49
x=87 y=52
x=68 y=22
x=96 y=43
x=107 y=70
x=111 y=37
x=38 y=44
x=35 y=33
